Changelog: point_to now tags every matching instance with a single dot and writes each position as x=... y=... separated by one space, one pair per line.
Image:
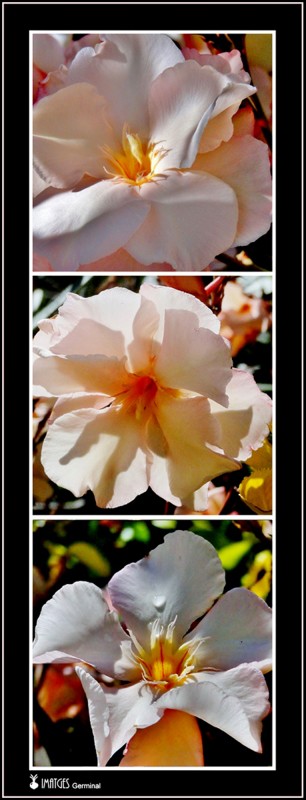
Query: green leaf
x=90 y=556
x=164 y=524
x=142 y=532
x=232 y=554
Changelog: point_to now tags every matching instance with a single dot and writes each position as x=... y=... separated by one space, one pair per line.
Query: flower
x=177 y=650
x=242 y=317
x=135 y=150
x=146 y=397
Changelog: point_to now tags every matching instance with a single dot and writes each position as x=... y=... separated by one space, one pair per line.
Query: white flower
x=135 y=150
x=171 y=656
x=146 y=397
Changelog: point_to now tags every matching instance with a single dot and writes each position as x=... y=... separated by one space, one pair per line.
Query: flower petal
x=159 y=585
x=97 y=450
x=192 y=436
x=243 y=163
x=105 y=323
x=181 y=102
x=48 y=52
x=166 y=298
x=235 y=701
x=61 y=375
x=98 y=712
x=122 y=69
x=175 y=741
x=77 y=623
x=245 y=422
x=239 y=629
x=73 y=228
x=69 y=128
x=130 y=707
x=192 y=218
x=192 y=357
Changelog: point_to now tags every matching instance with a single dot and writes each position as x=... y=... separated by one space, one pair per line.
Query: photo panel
x=152 y=395
x=153 y=643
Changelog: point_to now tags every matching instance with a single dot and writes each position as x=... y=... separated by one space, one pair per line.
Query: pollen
x=136 y=162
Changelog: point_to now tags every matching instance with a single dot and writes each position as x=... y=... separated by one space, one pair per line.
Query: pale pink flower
x=146 y=397
x=211 y=669
x=242 y=317
x=136 y=149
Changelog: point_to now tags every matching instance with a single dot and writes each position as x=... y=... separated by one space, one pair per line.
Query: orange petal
x=175 y=741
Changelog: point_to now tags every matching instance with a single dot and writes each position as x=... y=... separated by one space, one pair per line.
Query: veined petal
x=235 y=701
x=97 y=450
x=159 y=585
x=181 y=102
x=77 y=623
x=73 y=228
x=69 y=128
x=243 y=163
x=192 y=357
x=175 y=741
x=62 y=375
x=192 y=218
x=190 y=431
x=244 y=424
x=238 y=629
x=122 y=69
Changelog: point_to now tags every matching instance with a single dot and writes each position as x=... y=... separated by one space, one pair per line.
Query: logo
x=33 y=782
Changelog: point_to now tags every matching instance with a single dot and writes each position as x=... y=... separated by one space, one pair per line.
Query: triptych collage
x=153 y=418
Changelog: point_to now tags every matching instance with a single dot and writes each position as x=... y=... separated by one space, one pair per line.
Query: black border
x=286 y=19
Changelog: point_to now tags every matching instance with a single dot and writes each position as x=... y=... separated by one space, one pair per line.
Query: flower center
x=139 y=396
x=137 y=161
x=165 y=664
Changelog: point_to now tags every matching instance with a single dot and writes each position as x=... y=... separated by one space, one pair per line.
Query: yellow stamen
x=137 y=161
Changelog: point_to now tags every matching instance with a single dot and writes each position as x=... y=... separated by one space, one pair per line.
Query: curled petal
x=193 y=358
x=243 y=163
x=194 y=456
x=183 y=99
x=235 y=701
x=159 y=585
x=245 y=423
x=76 y=625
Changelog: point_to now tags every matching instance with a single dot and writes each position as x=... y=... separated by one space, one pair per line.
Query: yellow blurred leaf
x=256 y=491
x=258 y=578
x=259 y=49
x=90 y=556
x=261 y=458
x=231 y=554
